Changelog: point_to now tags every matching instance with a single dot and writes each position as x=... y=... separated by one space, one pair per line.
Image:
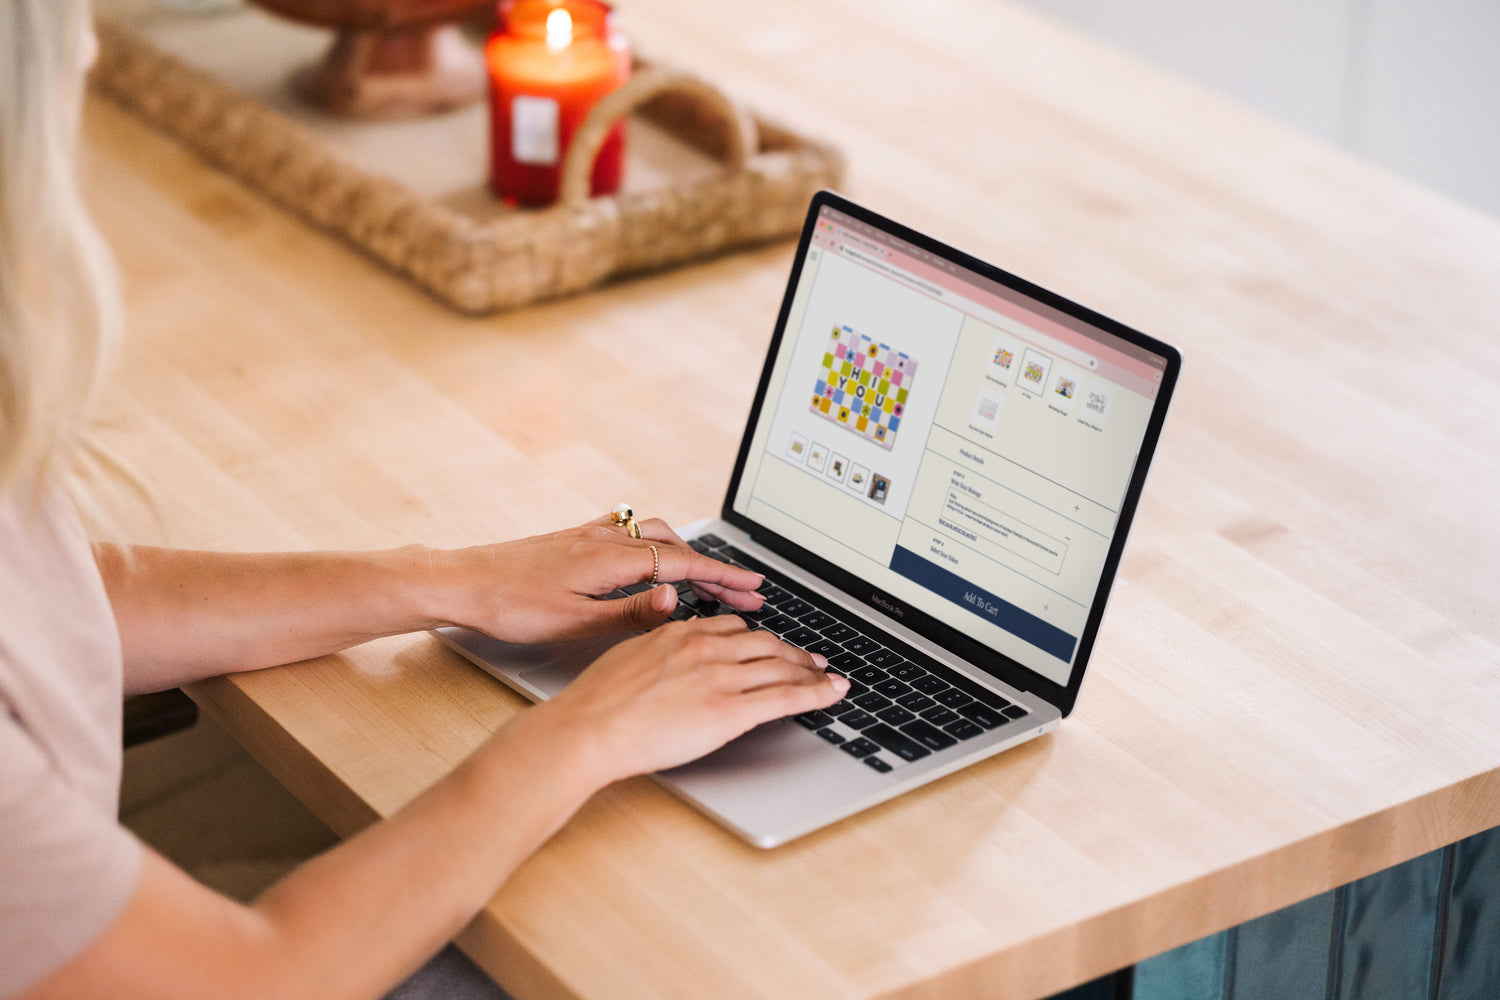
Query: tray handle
x=643 y=87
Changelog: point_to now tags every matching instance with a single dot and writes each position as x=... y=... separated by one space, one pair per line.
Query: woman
x=85 y=910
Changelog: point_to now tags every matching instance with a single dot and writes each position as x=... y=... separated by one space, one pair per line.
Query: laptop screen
x=951 y=437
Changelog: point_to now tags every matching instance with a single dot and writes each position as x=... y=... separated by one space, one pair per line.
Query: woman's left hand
x=547 y=588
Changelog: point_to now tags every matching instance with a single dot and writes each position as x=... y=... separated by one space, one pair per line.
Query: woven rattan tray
x=482 y=262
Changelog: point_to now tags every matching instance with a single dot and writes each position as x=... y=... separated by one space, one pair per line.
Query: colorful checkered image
x=1034 y=368
x=862 y=386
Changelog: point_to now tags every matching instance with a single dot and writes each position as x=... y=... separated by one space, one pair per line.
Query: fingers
x=753 y=675
x=775 y=701
x=678 y=562
x=648 y=609
x=739 y=645
x=740 y=600
x=656 y=530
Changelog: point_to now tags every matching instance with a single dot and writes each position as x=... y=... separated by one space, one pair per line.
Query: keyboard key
x=868 y=675
x=760 y=614
x=883 y=657
x=846 y=662
x=858 y=719
x=682 y=613
x=711 y=540
x=930 y=685
x=795 y=607
x=842 y=708
x=732 y=553
x=963 y=729
x=838 y=632
x=801 y=636
x=916 y=701
x=824 y=647
x=896 y=742
x=816 y=619
x=780 y=624
x=872 y=702
x=878 y=764
x=861 y=644
x=773 y=593
x=895 y=715
x=906 y=671
x=982 y=714
x=814 y=719
x=860 y=747
x=692 y=600
x=928 y=735
x=1014 y=712
x=891 y=688
x=701 y=547
x=953 y=698
x=831 y=736
x=856 y=689
x=940 y=716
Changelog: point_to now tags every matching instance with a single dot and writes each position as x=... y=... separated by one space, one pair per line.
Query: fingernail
x=840 y=683
x=820 y=661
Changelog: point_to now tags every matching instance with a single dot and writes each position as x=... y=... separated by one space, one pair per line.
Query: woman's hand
x=547 y=588
x=662 y=699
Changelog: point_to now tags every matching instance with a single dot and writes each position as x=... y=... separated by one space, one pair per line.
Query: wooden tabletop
x=1298 y=682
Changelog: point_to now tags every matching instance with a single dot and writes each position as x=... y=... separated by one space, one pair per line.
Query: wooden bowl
x=389 y=58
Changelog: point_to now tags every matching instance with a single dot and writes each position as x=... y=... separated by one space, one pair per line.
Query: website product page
x=927 y=431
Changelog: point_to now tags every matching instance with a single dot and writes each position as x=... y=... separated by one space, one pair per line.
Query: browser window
x=949 y=440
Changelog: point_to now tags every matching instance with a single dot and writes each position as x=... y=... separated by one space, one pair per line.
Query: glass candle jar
x=549 y=63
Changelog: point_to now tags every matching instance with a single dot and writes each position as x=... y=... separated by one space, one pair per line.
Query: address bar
x=974 y=309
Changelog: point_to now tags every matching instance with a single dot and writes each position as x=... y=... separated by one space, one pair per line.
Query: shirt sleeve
x=67 y=868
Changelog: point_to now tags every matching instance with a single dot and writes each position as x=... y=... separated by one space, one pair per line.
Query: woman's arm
x=187 y=615
x=356 y=920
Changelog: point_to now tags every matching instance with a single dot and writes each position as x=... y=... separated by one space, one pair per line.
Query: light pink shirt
x=67 y=867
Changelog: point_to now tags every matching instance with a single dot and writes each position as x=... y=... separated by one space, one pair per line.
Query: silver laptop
x=937 y=477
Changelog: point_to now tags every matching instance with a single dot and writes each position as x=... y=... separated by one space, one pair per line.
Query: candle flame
x=559 y=29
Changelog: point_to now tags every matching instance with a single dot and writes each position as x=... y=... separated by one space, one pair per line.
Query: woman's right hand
x=686 y=688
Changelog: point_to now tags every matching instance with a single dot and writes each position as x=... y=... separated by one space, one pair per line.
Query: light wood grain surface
x=1298 y=681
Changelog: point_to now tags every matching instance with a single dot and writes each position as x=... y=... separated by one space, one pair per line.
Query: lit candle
x=550 y=61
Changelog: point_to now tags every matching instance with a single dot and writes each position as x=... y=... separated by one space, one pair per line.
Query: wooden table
x=1298 y=682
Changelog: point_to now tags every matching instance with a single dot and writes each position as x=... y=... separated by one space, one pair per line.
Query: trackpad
x=570 y=661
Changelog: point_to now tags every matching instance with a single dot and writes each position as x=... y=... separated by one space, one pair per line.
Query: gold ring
x=655 y=566
x=624 y=517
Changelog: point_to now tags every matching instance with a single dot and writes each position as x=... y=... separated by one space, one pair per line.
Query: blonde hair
x=60 y=309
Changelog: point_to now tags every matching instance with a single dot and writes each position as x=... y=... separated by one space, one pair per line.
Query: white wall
x=1412 y=84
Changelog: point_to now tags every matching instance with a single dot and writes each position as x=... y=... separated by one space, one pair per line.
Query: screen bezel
x=997 y=664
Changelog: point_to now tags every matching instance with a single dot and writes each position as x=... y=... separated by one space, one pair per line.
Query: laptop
x=937 y=476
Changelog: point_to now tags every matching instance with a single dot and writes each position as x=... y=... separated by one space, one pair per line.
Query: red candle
x=550 y=61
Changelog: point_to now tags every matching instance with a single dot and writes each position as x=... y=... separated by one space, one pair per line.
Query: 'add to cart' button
x=1017 y=621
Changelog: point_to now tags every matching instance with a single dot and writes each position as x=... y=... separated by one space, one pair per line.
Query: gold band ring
x=622 y=516
x=655 y=566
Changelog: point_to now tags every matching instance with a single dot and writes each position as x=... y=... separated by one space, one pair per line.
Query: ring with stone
x=624 y=517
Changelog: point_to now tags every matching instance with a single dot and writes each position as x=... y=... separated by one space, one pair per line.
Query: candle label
x=533 y=130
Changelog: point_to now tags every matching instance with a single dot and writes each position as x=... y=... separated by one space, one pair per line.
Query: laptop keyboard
x=902 y=705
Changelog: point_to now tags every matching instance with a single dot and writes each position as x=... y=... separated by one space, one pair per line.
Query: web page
x=947 y=444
